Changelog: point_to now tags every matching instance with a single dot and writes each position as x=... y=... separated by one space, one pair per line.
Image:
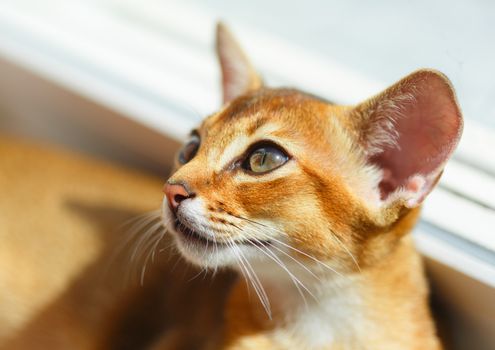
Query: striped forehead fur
x=282 y=113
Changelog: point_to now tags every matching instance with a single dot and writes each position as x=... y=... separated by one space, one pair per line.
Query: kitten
x=313 y=204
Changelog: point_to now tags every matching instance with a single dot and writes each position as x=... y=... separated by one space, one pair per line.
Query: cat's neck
x=292 y=287
x=341 y=309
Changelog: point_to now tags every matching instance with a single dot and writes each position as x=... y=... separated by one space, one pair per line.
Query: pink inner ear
x=428 y=128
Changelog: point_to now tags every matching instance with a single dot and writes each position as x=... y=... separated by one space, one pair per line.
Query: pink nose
x=175 y=194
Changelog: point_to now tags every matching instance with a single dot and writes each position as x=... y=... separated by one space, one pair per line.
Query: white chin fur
x=209 y=255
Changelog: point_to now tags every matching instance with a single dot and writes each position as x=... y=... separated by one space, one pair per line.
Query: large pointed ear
x=409 y=132
x=238 y=75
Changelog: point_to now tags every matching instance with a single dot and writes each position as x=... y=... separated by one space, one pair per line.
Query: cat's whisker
x=258 y=287
x=153 y=243
x=205 y=251
x=306 y=255
x=147 y=243
x=334 y=236
x=216 y=255
x=294 y=279
x=274 y=258
x=296 y=261
x=143 y=266
x=268 y=237
x=135 y=219
x=141 y=225
x=143 y=271
x=137 y=224
x=140 y=222
x=240 y=263
x=144 y=239
x=162 y=234
x=196 y=275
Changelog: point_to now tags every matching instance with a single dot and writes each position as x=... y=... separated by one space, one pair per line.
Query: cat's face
x=278 y=174
x=273 y=168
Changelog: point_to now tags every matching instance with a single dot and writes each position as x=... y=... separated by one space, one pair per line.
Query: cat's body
x=311 y=203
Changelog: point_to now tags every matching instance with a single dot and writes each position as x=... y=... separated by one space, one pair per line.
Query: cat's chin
x=208 y=253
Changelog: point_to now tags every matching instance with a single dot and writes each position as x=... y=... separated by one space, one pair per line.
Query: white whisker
x=334 y=236
x=294 y=279
x=258 y=287
x=271 y=238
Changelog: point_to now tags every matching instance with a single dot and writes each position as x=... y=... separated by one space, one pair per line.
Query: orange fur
x=388 y=262
x=347 y=198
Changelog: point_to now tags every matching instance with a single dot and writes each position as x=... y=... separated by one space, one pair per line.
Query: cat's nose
x=176 y=193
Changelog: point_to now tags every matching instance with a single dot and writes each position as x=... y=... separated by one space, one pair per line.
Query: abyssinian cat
x=311 y=203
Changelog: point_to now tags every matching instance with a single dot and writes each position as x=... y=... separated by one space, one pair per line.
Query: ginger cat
x=311 y=203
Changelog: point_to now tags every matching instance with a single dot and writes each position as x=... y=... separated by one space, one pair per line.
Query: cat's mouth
x=196 y=237
x=193 y=236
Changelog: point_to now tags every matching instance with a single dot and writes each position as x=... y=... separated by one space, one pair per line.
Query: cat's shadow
x=105 y=309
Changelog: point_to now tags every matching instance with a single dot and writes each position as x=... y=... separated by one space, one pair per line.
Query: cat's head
x=281 y=174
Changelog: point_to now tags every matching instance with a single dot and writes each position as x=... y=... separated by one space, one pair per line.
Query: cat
x=313 y=204
x=298 y=211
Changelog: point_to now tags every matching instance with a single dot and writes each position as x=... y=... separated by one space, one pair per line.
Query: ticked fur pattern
x=322 y=242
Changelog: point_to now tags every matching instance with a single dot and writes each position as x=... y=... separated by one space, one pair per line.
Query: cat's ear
x=409 y=131
x=238 y=75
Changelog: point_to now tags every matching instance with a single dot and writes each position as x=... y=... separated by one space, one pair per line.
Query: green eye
x=265 y=159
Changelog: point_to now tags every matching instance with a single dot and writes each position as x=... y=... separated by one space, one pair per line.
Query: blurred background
x=126 y=80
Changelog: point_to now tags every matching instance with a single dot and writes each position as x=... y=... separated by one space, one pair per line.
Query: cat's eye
x=264 y=159
x=189 y=150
